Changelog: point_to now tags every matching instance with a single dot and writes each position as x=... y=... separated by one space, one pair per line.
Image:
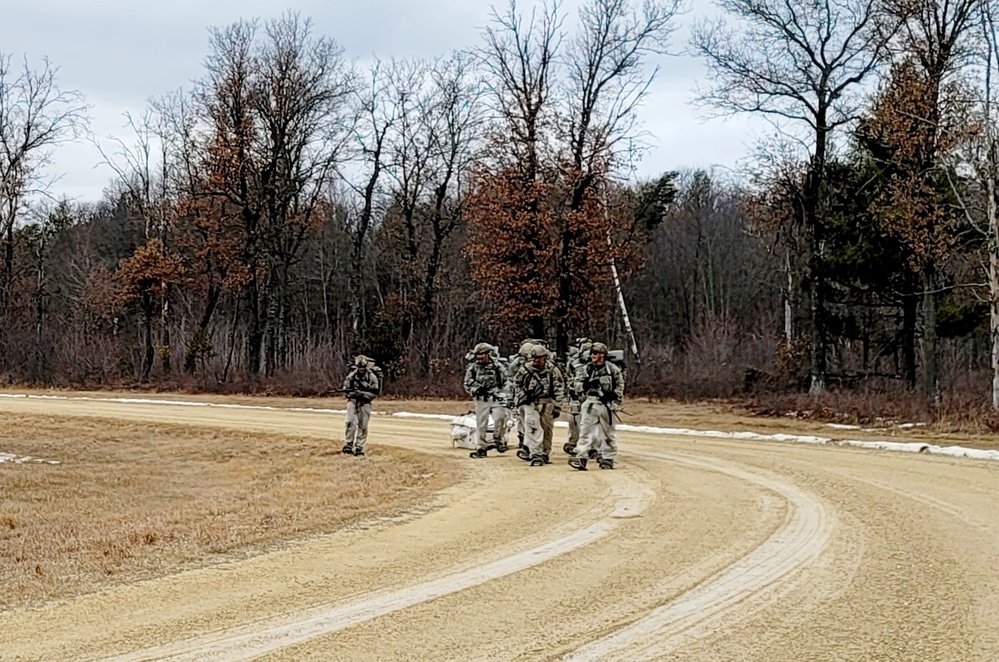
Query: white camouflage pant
x=539 y=426
x=356 y=432
x=574 y=416
x=596 y=430
x=483 y=410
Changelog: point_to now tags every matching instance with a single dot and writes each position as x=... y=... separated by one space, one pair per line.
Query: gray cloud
x=121 y=53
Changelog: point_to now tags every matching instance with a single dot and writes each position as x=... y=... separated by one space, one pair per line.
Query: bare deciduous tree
x=143 y=182
x=376 y=105
x=989 y=171
x=568 y=105
x=36 y=114
x=801 y=62
x=608 y=77
x=274 y=129
x=520 y=56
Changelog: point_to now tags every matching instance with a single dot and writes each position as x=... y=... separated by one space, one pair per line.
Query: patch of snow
x=25 y=459
x=436 y=417
x=898 y=447
x=718 y=434
x=842 y=426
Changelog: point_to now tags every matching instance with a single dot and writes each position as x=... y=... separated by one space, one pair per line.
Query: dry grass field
x=130 y=501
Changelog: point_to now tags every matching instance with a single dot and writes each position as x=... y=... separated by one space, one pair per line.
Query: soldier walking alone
x=361 y=387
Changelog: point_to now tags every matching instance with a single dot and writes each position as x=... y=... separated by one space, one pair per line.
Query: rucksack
x=616 y=356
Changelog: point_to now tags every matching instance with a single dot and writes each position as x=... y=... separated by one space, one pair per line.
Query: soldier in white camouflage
x=504 y=395
x=576 y=361
x=516 y=362
x=540 y=393
x=361 y=387
x=602 y=386
x=485 y=380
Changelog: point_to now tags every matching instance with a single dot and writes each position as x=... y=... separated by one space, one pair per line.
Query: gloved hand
x=556 y=411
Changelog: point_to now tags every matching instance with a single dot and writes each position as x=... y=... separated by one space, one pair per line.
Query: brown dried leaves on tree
x=524 y=237
x=149 y=271
x=916 y=124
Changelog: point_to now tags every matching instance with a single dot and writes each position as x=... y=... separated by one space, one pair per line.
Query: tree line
x=291 y=207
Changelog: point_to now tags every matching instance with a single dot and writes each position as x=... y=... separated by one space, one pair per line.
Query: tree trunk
x=788 y=301
x=271 y=322
x=6 y=288
x=908 y=341
x=931 y=350
x=255 y=338
x=165 y=333
x=40 y=353
x=993 y=243
x=538 y=327
x=201 y=332
x=147 y=336
x=813 y=226
x=565 y=294
x=356 y=278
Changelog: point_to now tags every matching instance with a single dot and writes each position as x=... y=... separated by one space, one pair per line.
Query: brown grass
x=131 y=502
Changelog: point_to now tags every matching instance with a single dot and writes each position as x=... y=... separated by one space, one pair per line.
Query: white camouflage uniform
x=362 y=387
x=602 y=387
x=485 y=381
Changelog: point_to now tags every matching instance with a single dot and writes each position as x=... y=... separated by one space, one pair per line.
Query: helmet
x=361 y=361
x=583 y=341
x=482 y=348
x=598 y=348
x=526 y=347
x=536 y=341
x=537 y=351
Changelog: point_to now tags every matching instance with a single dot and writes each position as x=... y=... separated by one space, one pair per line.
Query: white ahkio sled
x=465 y=435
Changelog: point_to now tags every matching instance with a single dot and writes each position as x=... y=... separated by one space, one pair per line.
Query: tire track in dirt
x=248 y=642
x=802 y=539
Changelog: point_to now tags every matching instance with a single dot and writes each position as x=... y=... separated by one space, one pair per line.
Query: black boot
x=481 y=452
x=348 y=449
x=546 y=458
x=606 y=464
x=537 y=460
x=578 y=463
x=524 y=454
x=569 y=448
x=501 y=447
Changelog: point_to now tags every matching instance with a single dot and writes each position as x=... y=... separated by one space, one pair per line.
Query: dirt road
x=694 y=550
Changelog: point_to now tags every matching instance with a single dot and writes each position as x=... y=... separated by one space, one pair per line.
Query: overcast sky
x=121 y=53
